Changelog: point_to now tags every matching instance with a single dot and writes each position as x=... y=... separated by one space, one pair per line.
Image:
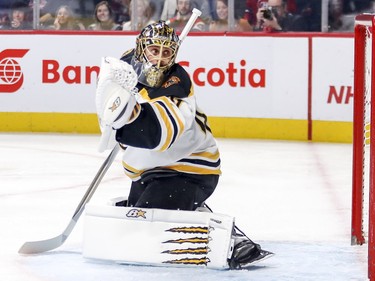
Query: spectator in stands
x=335 y=14
x=221 y=24
x=184 y=11
x=121 y=10
x=104 y=18
x=4 y=19
x=251 y=9
x=47 y=11
x=208 y=8
x=169 y=8
x=65 y=20
x=19 y=17
x=273 y=16
x=311 y=12
x=144 y=13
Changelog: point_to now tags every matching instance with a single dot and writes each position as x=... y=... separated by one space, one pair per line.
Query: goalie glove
x=115 y=100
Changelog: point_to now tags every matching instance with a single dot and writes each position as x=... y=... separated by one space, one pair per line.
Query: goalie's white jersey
x=169 y=131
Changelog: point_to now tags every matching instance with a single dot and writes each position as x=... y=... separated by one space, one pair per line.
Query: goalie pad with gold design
x=157 y=237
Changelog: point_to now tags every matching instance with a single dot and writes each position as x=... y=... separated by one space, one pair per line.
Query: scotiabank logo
x=236 y=75
x=11 y=76
x=233 y=75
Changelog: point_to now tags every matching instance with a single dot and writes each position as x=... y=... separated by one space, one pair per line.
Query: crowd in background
x=128 y=15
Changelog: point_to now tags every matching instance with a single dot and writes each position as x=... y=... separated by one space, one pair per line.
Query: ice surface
x=293 y=198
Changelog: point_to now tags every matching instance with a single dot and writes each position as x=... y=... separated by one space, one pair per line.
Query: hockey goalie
x=146 y=105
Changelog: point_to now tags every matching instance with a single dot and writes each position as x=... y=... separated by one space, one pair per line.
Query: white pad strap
x=107 y=139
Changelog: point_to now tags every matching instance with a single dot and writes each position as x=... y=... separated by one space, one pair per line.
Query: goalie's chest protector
x=157 y=237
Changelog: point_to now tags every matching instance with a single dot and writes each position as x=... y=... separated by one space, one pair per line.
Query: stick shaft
x=196 y=13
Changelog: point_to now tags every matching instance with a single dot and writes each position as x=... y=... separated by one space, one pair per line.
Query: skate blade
x=263 y=256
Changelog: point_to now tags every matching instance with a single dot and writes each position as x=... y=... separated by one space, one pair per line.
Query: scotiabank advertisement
x=255 y=77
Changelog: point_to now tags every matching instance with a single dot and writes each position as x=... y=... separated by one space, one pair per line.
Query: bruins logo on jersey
x=171 y=81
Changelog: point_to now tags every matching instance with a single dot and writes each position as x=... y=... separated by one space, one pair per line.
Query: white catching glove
x=115 y=99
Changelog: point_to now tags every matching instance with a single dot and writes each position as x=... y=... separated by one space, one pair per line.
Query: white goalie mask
x=155 y=53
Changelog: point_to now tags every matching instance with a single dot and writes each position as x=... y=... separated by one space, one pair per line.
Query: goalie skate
x=247 y=253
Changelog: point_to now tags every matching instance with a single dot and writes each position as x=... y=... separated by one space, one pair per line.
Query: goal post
x=363 y=181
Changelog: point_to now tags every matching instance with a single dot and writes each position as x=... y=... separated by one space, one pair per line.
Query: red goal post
x=363 y=182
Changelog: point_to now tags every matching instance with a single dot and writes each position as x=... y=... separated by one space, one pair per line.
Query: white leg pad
x=157 y=237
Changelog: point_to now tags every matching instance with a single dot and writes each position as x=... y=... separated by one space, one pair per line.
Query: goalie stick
x=35 y=247
x=195 y=14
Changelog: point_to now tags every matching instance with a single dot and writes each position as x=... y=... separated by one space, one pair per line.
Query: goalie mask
x=155 y=53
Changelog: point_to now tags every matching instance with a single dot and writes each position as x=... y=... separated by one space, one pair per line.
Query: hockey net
x=364 y=138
